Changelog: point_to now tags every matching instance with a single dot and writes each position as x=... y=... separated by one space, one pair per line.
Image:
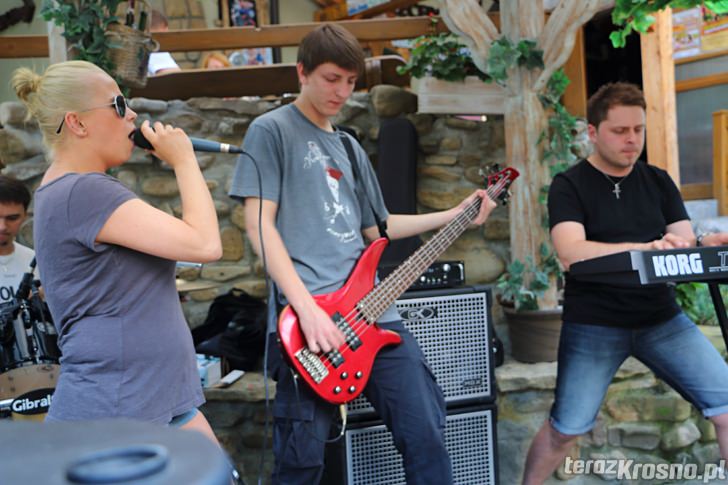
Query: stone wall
x=641 y=418
x=452 y=152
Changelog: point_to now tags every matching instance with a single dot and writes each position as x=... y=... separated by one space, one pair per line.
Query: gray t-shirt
x=322 y=209
x=127 y=350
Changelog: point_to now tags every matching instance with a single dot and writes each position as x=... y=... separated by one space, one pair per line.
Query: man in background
x=15 y=258
x=160 y=62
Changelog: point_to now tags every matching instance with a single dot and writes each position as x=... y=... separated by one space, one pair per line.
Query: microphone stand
x=22 y=296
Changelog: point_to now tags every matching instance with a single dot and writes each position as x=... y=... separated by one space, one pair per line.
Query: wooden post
x=225 y=14
x=575 y=95
x=57 y=47
x=720 y=160
x=658 y=80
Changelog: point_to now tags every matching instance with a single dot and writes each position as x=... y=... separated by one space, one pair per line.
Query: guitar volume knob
x=352 y=389
x=359 y=374
x=337 y=390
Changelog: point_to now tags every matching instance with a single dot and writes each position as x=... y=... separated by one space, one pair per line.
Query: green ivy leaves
x=84 y=23
x=441 y=56
x=634 y=15
x=524 y=282
x=504 y=54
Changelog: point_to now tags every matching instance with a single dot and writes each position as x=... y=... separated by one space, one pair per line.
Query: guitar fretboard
x=376 y=302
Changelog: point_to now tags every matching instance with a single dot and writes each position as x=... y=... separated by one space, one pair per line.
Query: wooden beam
x=701 y=82
x=658 y=81
x=245 y=37
x=276 y=79
x=696 y=191
x=720 y=160
x=291 y=34
x=16 y=46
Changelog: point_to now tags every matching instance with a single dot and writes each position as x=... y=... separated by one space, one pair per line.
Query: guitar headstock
x=498 y=181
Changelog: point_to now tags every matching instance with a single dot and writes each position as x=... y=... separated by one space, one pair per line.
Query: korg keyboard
x=706 y=264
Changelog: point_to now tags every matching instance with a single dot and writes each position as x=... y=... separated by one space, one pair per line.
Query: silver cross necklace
x=617 y=190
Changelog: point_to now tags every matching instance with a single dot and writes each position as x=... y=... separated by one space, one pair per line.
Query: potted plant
x=534 y=332
x=447 y=81
x=94 y=34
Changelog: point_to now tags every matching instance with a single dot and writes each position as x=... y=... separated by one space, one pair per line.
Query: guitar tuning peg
x=505 y=197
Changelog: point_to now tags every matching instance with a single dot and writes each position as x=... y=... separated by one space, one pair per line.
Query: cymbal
x=185 y=285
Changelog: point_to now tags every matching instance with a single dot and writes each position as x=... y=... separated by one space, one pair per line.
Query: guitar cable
x=266 y=425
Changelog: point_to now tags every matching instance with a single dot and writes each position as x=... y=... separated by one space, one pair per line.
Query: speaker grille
x=372 y=458
x=452 y=329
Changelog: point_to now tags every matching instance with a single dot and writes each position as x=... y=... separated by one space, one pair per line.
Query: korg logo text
x=677 y=264
x=419 y=313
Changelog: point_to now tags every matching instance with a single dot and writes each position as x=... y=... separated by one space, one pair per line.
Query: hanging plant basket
x=129 y=50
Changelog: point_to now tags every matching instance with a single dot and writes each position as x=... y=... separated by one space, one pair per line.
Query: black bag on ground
x=234 y=329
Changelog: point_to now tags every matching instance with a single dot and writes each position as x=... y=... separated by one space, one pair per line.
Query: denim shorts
x=676 y=351
x=182 y=419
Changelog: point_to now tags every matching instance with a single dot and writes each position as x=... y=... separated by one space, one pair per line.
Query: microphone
x=198 y=144
x=23 y=292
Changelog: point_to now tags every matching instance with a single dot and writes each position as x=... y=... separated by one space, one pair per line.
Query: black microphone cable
x=266 y=426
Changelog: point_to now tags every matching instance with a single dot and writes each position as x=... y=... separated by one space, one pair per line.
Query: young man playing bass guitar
x=317 y=217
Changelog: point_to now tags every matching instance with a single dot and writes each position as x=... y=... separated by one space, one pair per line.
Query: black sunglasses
x=118 y=103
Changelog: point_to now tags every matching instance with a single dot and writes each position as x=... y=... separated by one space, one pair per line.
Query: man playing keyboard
x=606 y=204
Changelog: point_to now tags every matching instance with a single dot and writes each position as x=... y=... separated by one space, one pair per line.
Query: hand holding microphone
x=198 y=144
x=166 y=142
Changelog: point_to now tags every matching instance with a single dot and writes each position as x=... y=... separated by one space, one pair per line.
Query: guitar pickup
x=312 y=364
x=352 y=339
x=335 y=357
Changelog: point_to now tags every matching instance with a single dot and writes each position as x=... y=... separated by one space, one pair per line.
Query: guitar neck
x=376 y=302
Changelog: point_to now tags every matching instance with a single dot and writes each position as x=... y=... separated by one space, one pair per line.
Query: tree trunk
x=525 y=120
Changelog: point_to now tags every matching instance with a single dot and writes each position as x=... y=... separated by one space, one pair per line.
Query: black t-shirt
x=648 y=202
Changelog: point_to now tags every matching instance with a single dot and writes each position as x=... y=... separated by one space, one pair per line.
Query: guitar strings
x=459 y=224
x=360 y=325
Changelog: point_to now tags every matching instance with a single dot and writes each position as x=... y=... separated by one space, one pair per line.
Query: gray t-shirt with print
x=322 y=209
x=127 y=349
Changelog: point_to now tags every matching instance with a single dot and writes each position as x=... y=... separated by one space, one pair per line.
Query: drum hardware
x=29 y=352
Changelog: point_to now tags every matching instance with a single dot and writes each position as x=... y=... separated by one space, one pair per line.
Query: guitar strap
x=382 y=225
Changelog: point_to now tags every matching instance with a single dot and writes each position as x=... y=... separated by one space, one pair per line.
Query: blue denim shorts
x=676 y=351
x=182 y=419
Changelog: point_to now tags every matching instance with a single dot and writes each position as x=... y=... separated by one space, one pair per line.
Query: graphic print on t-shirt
x=335 y=210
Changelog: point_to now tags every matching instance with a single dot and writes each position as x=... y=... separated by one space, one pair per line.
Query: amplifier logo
x=33 y=402
x=417 y=313
x=472 y=383
x=677 y=264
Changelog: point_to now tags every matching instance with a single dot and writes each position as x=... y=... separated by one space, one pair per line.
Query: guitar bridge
x=312 y=364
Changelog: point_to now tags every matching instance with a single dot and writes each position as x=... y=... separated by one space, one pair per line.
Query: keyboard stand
x=715 y=295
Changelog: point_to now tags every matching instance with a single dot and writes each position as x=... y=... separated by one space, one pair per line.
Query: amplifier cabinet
x=366 y=454
x=453 y=328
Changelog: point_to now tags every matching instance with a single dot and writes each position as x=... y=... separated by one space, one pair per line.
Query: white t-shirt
x=159 y=61
x=12 y=268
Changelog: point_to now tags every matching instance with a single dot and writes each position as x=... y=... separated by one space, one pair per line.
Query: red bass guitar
x=340 y=375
